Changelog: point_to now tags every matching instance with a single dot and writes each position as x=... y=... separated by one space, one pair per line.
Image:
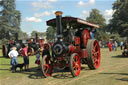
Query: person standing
x=26 y=57
x=121 y=45
x=13 y=55
x=92 y=33
x=126 y=48
x=110 y=46
x=113 y=46
x=116 y=45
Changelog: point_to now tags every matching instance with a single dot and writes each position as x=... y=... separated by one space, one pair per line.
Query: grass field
x=113 y=71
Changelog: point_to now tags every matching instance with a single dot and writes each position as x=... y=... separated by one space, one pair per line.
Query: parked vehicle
x=33 y=45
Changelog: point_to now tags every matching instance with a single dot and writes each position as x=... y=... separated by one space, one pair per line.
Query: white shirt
x=13 y=53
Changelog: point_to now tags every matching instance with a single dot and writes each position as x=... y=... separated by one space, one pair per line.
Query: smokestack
x=58 y=23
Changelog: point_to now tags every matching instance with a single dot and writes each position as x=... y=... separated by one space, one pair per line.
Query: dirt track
x=113 y=71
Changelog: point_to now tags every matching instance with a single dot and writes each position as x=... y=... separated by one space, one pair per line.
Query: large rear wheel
x=75 y=65
x=93 y=51
x=46 y=66
x=85 y=37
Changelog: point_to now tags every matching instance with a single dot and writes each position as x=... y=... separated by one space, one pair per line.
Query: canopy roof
x=73 y=22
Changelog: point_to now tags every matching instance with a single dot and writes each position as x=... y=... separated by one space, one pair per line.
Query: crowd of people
x=125 y=48
x=13 y=54
x=113 y=46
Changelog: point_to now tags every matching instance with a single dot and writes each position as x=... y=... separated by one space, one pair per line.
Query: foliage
x=3 y=42
x=100 y=35
x=40 y=34
x=22 y=35
x=119 y=22
x=97 y=18
x=10 y=18
x=50 y=33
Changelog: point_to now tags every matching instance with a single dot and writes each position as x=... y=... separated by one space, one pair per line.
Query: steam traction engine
x=72 y=47
x=33 y=45
x=7 y=46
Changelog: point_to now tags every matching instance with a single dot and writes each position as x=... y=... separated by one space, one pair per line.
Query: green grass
x=5 y=64
x=113 y=71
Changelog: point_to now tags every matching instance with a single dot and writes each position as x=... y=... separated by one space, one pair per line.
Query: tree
x=119 y=22
x=10 y=18
x=50 y=33
x=97 y=18
x=22 y=35
x=40 y=34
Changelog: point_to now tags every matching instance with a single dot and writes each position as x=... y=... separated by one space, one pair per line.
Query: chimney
x=59 y=24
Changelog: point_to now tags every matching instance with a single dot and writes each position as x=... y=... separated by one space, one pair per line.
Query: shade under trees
x=119 y=22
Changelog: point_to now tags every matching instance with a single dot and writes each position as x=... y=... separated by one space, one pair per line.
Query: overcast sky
x=35 y=13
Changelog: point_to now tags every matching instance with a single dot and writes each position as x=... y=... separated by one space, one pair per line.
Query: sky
x=35 y=13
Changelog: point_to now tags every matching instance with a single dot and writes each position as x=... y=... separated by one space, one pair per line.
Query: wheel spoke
x=76 y=65
x=46 y=70
x=96 y=54
x=46 y=65
x=94 y=48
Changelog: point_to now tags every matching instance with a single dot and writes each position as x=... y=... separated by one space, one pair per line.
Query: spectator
x=116 y=45
x=121 y=45
x=125 y=45
x=26 y=57
x=46 y=50
x=113 y=46
x=13 y=55
x=92 y=33
x=110 y=46
x=125 y=49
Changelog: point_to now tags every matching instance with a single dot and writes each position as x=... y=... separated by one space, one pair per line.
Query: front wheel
x=46 y=66
x=75 y=65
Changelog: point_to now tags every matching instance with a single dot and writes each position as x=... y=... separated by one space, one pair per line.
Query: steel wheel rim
x=76 y=65
x=96 y=54
x=47 y=66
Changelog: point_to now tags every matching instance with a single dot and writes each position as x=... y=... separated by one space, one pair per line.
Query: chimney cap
x=58 y=13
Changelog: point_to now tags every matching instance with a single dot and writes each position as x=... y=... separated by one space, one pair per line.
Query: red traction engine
x=72 y=47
